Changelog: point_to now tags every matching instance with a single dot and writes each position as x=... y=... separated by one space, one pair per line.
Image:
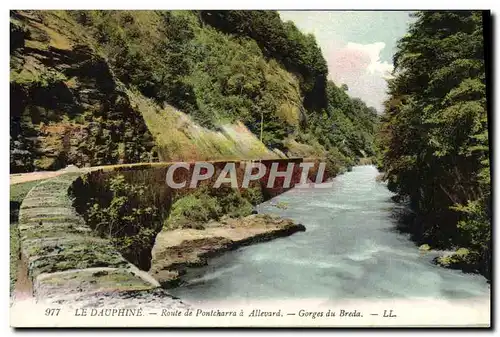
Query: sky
x=358 y=47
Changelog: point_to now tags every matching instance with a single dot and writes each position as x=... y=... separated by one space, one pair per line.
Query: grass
x=199 y=207
x=185 y=140
x=17 y=194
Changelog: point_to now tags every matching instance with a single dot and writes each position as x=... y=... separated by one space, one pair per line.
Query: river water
x=350 y=250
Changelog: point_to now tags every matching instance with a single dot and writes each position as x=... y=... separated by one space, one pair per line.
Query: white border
x=218 y=4
x=256 y=4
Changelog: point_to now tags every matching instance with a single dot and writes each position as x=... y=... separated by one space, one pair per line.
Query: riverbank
x=351 y=250
x=176 y=250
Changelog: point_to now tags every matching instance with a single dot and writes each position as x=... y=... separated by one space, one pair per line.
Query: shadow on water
x=407 y=222
x=411 y=224
x=359 y=243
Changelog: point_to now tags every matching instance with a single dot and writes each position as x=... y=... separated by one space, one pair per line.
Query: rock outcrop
x=177 y=250
x=69 y=106
x=66 y=105
x=462 y=259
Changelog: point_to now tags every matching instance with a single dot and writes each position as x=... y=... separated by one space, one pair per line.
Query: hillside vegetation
x=107 y=87
x=434 y=135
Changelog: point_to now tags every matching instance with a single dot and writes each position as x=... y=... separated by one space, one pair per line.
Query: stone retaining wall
x=65 y=259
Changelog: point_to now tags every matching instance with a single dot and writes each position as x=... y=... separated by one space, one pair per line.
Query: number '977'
x=52 y=312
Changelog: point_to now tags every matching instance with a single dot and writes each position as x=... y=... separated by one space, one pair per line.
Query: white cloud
x=359 y=66
x=373 y=51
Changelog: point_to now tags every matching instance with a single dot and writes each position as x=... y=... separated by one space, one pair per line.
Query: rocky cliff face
x=96 y=88
x=66 y=105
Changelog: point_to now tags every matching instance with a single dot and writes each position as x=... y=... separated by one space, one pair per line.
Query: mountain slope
x=106 y=87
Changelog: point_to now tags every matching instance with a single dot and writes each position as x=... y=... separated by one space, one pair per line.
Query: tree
x=433 y=138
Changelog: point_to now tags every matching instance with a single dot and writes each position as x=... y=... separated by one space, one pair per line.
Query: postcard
x=250 y=168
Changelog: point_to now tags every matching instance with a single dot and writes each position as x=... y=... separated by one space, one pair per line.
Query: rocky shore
x=177 y=250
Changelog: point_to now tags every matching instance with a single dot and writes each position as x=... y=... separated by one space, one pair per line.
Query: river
x=350 y=250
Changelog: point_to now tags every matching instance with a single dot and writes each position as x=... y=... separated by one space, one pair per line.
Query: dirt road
x=18 y=178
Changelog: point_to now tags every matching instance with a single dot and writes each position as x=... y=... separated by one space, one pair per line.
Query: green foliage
x=475 y=230
x=151 y=55
x=345 y=129
x=433 y=139
x=217 y=66
x=205 y=204
x=253 y=195
x=338 y=161
x=125 y=215
x=216 y=78
x=67 y=107
x=21 y=154
x=282 y=41
x=463 y=259
x=195 y=208
x=42 y=79
x=17 y=194
x=14 y=260
x=232 y=82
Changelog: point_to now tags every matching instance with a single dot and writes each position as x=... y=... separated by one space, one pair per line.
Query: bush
x=253 y=195
x=193 y=209
x=124 y=213
x=463 y=259
x=207 y=204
